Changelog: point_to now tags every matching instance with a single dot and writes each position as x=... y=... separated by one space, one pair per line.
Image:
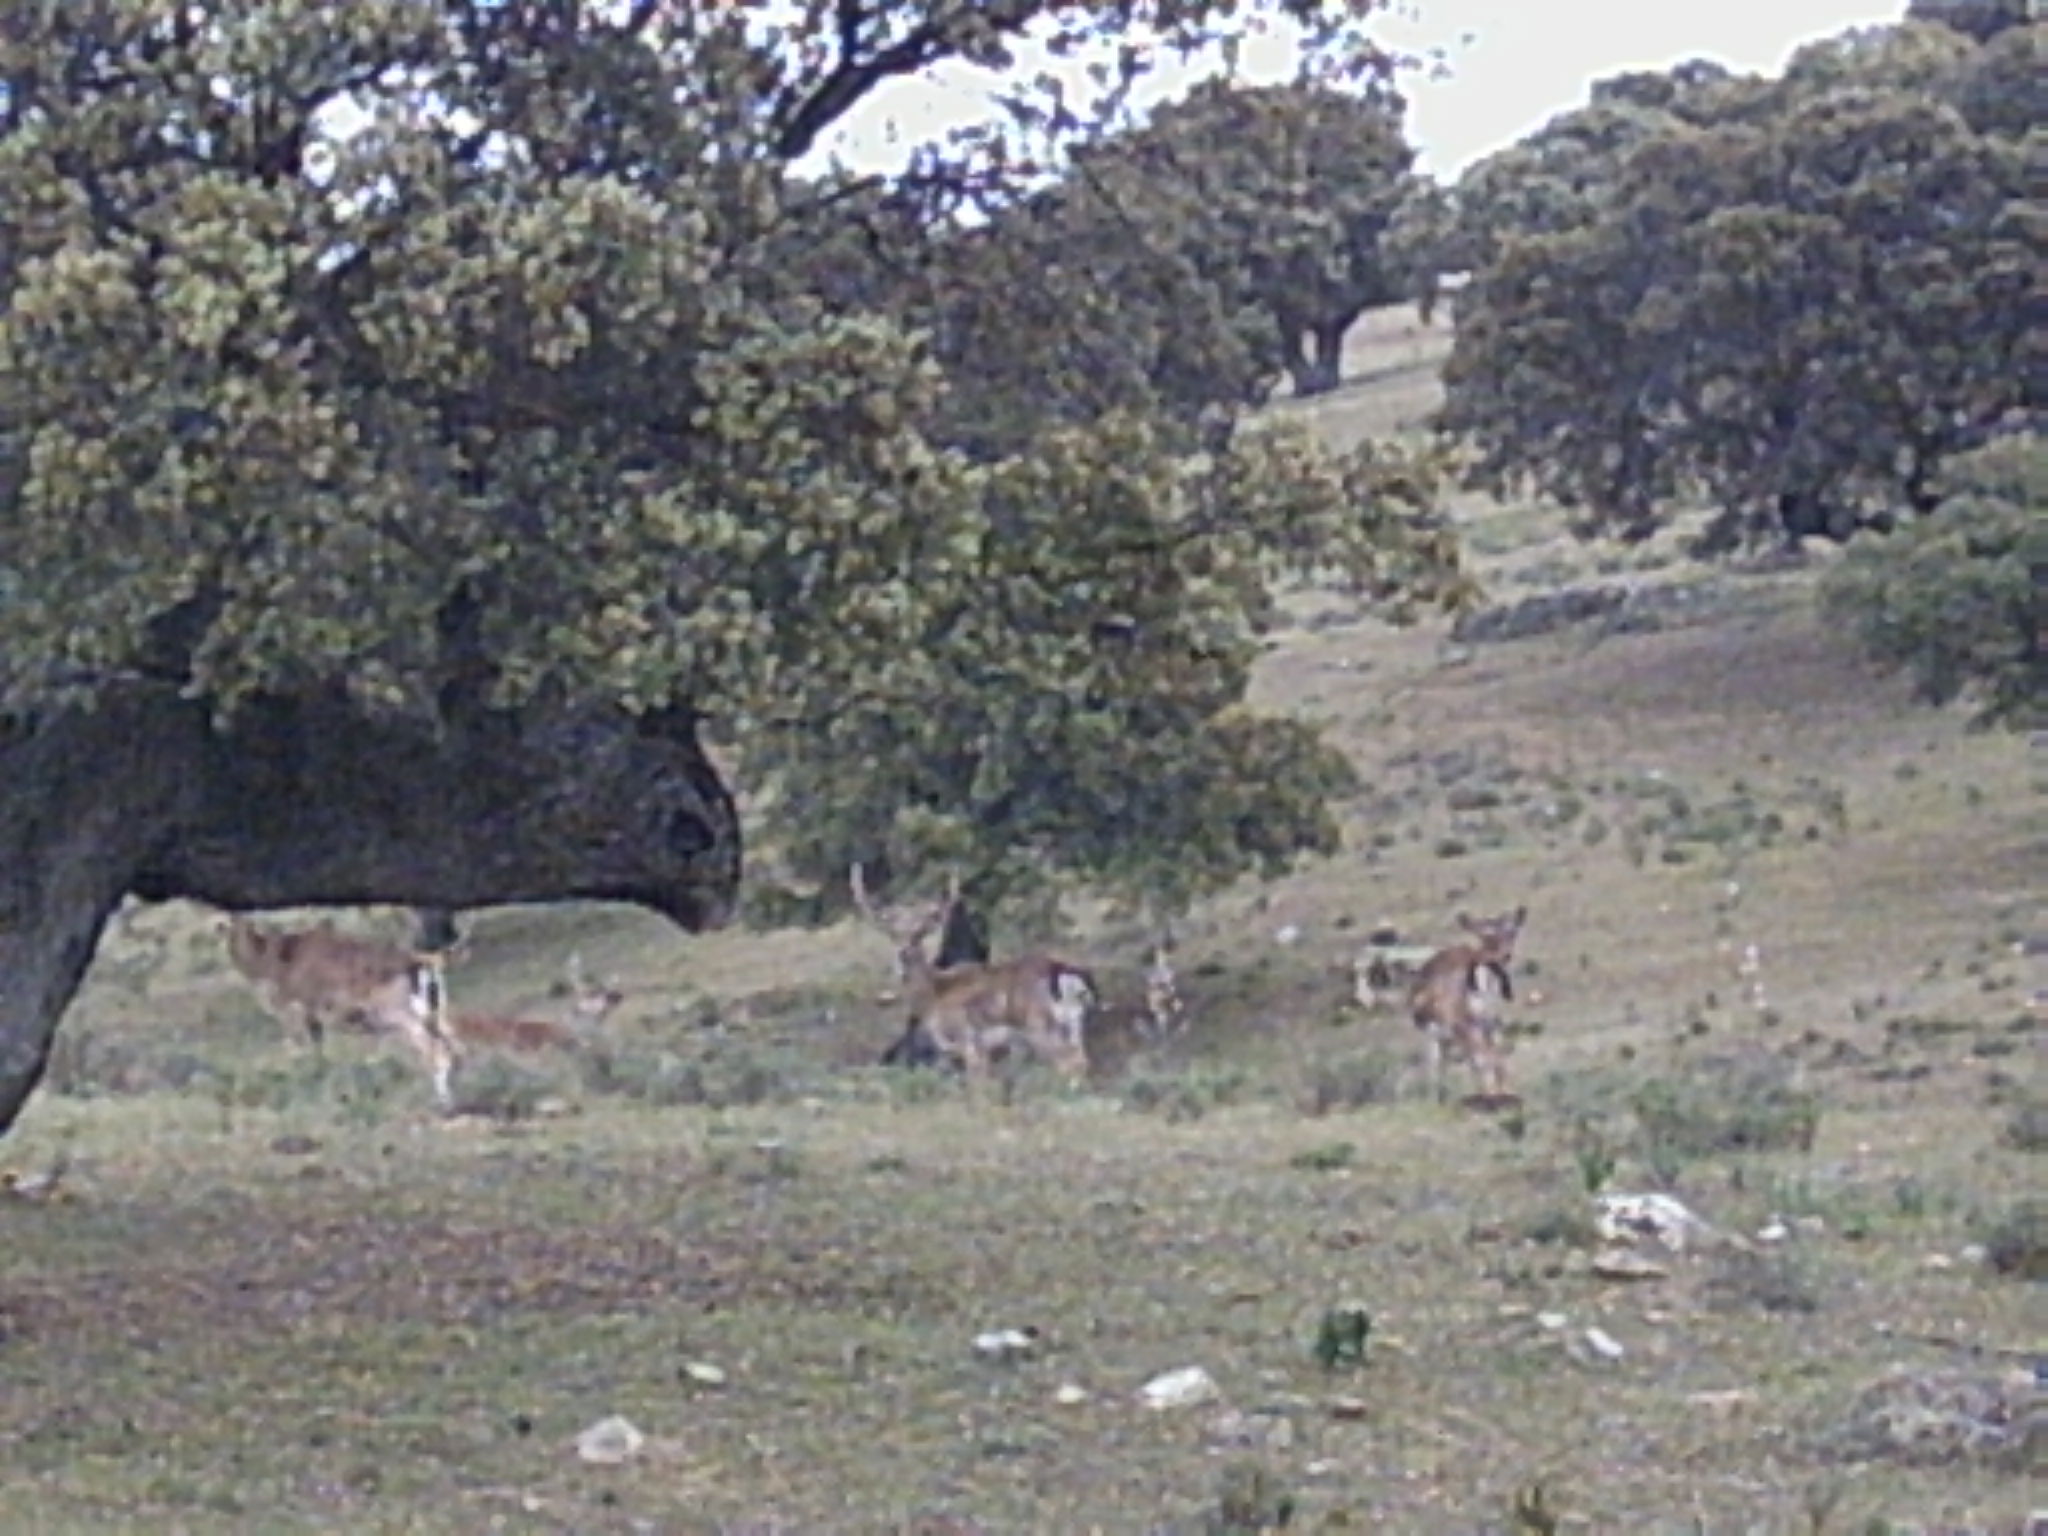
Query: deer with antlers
x=974 y=1013
x=313 y=977
x=1456 y=999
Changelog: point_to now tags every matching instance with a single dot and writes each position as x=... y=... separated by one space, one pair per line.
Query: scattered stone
x=1938 y=1261
x=295 y=1146
x=1723 y=1403
x=610 y=1442
x=1349 y=1408
x=1553 y=1322
x=1183 y=1388
x=1773 y=1231
x=1973 y=1253
x=1627 y=1264
x=1006 y=1343
x=1288 y=935
x=1603 y=1345
x=1070 y=1395
x=703 y=1374
x=1250 y=1431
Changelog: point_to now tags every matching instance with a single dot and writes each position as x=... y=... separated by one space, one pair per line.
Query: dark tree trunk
x=308 y=802
x=1317 y=367
x=435 y=929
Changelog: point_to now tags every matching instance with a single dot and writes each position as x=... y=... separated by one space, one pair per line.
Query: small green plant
x=2016 y=1241
x=1531 y=1512
x=1250 y=1501
x=1325 y=1159
x=1341 y=1337
x=1594 y=1154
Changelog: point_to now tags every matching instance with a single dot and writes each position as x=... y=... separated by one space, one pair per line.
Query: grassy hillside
x=271 y=1295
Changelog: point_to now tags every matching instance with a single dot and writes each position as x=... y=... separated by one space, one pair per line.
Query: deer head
x=1496 y=935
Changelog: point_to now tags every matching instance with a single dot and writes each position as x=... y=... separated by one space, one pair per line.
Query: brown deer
x=1456 y=998
x=312 y=977
x=589 y=1007
x=977 y=1012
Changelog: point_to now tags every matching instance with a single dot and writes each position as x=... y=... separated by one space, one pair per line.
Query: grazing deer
x=315 y=976
x=973 y=1013
x=1456 y=998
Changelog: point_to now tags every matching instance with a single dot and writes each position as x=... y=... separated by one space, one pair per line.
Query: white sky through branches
x=1513 y=65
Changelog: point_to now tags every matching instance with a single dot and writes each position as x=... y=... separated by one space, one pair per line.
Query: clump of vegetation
x=1942 y=1418
x=1189 y=1093
x=1955 y=600
x=1772 y=1280
x=1341 y=1337
x=2016 y=1241
x=2026 y=1128
x=494 y=1086
x=1336 y=1083
x=1327 y=1158
x=1748 y=1104
x=1251 y=1500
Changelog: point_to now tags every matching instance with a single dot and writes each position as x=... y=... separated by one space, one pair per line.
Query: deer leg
x=1433 y=1061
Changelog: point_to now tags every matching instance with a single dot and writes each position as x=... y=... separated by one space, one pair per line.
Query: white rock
x=610 y=1441
x=1773 y=1231
x=1624 y=1218
x=1070 y=1395
x=1290 y=934
x=704 y=1373
x=1604 y=1344
x=1180 y=1389
x=1004 y=1343
x=1553 y=1321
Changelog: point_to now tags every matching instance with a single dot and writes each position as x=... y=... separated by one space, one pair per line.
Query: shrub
x=1958 y=600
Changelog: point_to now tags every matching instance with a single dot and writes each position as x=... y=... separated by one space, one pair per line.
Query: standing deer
x=975 y=1012
x=312 y=977
x=1456 y=998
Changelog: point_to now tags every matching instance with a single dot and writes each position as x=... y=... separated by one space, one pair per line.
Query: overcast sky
x=1514 y=64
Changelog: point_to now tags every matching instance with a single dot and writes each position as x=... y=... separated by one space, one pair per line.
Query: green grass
x=280 y=1297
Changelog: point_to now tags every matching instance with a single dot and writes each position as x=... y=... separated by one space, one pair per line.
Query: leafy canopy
x=1280 y=196
x=1795 y=311
x=522 y=391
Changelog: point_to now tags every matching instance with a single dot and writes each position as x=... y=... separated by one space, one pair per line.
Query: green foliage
x=1278 y=195
x=1959 y=600
x=552 y=381
x=1792 y=300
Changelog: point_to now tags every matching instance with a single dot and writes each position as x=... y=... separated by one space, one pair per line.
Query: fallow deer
x=316 y=976
x=589 y=1007
x=1456 y=998
x=974 y=1013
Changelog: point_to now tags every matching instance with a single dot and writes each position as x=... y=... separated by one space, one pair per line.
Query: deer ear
x=1465 y=921
x=1521 y=914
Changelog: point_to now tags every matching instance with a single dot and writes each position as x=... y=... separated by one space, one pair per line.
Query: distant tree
x=1279 y=195
x=408 y=515
x=1797 y=317
x=1958 y=600
x=1559 y=177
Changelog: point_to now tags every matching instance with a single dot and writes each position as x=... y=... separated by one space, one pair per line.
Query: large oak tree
x=1793 y=304
x=416 y=459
